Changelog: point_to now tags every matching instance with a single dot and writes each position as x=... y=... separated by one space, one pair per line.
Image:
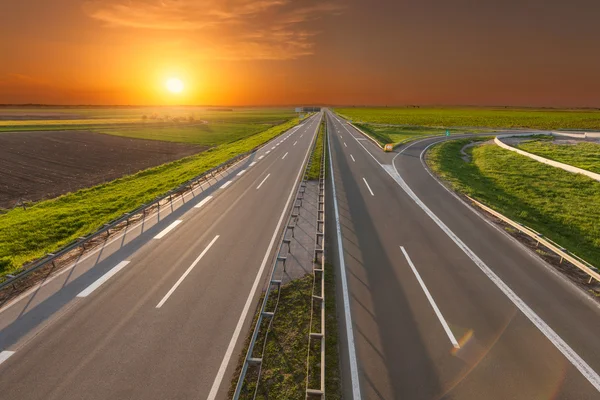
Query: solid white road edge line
x=186 y=273
x=5 y=355
x=368 y=187
x=284 y=156
x=539 y=323
x=234 y=338
x=438 y=313
x=86 y=292
x=345 y=294
x=263 y=181
x=223 y=186
x=168 y=229
x=203 y=202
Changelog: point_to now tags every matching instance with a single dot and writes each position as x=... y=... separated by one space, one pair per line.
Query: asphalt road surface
x=441 y=304
x=166 y=320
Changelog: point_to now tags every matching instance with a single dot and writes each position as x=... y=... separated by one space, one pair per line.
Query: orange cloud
x=224 y=29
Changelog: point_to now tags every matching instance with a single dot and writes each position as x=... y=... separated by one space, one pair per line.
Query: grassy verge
x=315 y=167
x=584 y=155
x=477 y=117
x=49 y=225
x=563 y=206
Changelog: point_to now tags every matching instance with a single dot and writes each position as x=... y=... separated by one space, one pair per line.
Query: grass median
x=315 y=167
x=563 y=206
x=47 y=226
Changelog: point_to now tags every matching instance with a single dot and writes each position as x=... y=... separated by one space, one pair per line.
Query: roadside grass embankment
x=584 y=155
x=498 y=118
x=562 y=206
x=315 y=167
x=46 y=226
x=401 y=134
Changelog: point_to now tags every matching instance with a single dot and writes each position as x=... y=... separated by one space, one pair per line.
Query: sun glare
x=174 y=85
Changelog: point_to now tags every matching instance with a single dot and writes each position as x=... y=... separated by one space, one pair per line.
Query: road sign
x=388 y=147
x=298 y=109
x=447 y=132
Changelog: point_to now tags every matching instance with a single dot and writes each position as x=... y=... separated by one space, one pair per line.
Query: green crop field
x=583 y=155
x=174 y=124
x=401 y=134
x=477 y=117
x=48 y=225
x=563 y=206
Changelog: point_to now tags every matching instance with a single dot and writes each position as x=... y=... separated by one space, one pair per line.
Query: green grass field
x=49 y=225
x=563 y=206
x=476 y=117
x=583 y=155
x=400 y=134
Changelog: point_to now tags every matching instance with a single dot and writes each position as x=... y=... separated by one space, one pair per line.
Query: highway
x=163 y=316
x=440 y=303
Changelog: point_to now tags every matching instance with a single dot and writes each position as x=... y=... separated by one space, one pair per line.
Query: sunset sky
x=270 y=52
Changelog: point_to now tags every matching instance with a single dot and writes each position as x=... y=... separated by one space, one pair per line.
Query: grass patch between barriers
x=315 y=167
x=561 y=205
x=46 y=226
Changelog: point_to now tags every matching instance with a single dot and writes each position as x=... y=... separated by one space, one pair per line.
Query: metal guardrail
x=556 y=248
x=171 y=195
x=267 y=312
x=318 y=290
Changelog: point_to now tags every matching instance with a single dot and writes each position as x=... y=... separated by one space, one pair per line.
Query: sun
x=174 y=85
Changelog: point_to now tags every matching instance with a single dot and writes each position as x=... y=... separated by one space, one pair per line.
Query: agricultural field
x=497 y=118
x=563 y=206
x=46 y=226
x=42 y=165
x=402 y=134
x=585 y=155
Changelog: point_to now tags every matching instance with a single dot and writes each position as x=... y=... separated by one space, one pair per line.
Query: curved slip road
x=160 y=315
x=443 y=304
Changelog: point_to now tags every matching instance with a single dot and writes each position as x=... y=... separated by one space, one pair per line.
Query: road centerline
x=168 y=229
x=90 y=289
x=263 y=181
x=368 y=187
x=436 y=309
x=186 y=273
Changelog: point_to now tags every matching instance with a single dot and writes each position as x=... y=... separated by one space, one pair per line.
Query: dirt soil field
x=42 y=165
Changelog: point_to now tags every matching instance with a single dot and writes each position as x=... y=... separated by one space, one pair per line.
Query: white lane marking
x=539 y=323
x=361 y=138
x=223 y=186
x=5 y=355
x=186 y=273
x=273 y=148
x=438 y=313
x=295 y=143
x=345 y=293
x=261 y=157
x=345 y=144
x=352 y=157
x=252 y=164
x=168 y=229
x=302 y=135
x=86 y=292
x=284 y=156
x=234 y=338
x=268 y=151
x=263 y=181
x=368 y=187
x=203 y=202
x=241 y=172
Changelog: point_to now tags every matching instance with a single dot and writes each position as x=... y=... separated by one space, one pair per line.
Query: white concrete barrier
x=543 y=160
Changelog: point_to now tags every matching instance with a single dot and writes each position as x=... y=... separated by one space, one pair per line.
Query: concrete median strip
x=168 y=229
x=186 y=273
x=90 y=289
